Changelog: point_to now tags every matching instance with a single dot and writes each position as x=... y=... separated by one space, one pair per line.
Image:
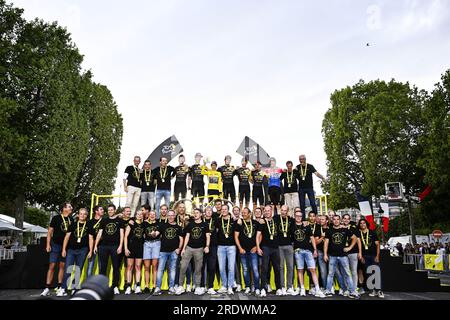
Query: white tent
x=27 y=227
x=5 y=226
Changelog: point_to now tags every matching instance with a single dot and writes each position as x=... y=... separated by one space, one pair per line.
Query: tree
x=371 y=135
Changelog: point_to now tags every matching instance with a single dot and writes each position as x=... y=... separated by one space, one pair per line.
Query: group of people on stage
x=149 y=185
x=232 y=243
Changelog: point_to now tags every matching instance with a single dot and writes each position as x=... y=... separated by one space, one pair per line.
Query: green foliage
x=60 y=133
x=37 y=217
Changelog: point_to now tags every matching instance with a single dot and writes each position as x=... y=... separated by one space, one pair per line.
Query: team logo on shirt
x=150 y=229
x=300 y=235
x=170 y=233
x=138 y=232
x=196 y=233
x=111 y=228
x=338 y=238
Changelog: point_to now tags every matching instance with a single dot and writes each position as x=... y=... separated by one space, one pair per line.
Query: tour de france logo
x=299 y=235
x=150 y=229
x=111 y=228
x=168 y=148
x=196 y=233
x=170 y=233
x=138 y=232
x=338 y=238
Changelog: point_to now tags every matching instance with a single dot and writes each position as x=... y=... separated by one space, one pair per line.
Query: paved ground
x=34 y=294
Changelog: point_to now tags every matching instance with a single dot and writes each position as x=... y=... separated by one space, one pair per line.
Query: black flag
x=169 y=149
x=253 y=152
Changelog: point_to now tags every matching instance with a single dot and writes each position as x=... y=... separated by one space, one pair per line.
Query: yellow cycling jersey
x=214 y=178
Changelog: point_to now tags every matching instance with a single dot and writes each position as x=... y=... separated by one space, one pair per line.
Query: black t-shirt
x=93 y=226
x=289 y=185
x=137 y=233
x=181 y=173
x=337 y=240
x=126 y=222
x=224 y=226
x=195 y=172
x=301 y=235
x=212 y=228
x=258 y=178
x=284 y=240
x=243 y=176
x=149 y=228
x=77 y=231
x=60 y=227
x=197 y=234
x=308 y=180
x=170 y=236
x=247 y=234
x=147 y=181
x=134 y=176
x=319 y=232
x=227 y=173
x=369 y=240
x=267 y=229
x=111 y=231
x=352 y=230
x=166 y=174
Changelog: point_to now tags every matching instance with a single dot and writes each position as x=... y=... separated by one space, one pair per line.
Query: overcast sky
x=211 y=72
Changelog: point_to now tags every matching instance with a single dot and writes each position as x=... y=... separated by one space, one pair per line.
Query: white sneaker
x=319 y=294
x=263 y=293
x=247 y=291
x=45 y=292
x=269 y=288
x=230 y=291
x=297 y=291
x=346 y=293
x=279 y=292
x=172 y=290
x=61 y=293
x=290 y=292
x=157 y=291
x=312 y=291
x=257 y=292
x=222 y=290
x=188 y=288
x=137 y=290
x=302 y=292
x=238 y=288
x=253 y=288
x=341 y=292
x=380 y=294
x=283 y=291
x=180 y=290
x=328 y=293
x=198 y=291
x=116 y=290
x=211 y=291
x=128 y=290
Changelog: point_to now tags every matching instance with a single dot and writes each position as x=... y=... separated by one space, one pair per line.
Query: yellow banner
x=434 y=262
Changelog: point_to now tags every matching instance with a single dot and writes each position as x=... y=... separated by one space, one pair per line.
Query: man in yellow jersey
x=214 y=180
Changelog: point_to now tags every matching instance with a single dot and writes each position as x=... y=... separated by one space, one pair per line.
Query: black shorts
x=275 y=194
x=244 y=193
x=136 y=250
x=179 y=189
x=229 y=191
x=198 y=189
x=258 y=195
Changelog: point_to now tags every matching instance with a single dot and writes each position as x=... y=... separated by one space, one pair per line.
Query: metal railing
x=427 y=262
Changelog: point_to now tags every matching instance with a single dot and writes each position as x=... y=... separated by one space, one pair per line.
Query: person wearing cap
x=244 y=175
x=196 y=182
x=214 y=180
x=227 y=171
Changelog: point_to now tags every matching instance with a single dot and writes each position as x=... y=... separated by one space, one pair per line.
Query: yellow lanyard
x=147 y=178
x=227 y=230
x=365 y=243
x=209 y=223
x=271 y=232
x=291 y=178
x=98 y=222
x=80 y=234
x=136 y=173
x=165 y=219
x=249 y=229
x=65 y=223
x=303 y=173
x=314 y=229
x=162 y=173
x=284 y=227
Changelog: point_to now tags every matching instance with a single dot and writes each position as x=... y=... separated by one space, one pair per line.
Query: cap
x=214 y=162
x=198 y=154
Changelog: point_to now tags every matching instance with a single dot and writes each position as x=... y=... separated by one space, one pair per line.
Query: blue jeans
x=303 y=256
x=323 y=268
x=226 y=254
x=344 y=266
x=162 y=194
x=250 y=260
x=91 y=263
x=163 y=257
x=311 y=197
x=75 y=257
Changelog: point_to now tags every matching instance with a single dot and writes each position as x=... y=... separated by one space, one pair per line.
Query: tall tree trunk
x=19 y=204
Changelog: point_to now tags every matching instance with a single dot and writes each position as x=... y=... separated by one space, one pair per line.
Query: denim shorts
x=151 y=249
x=301 y=256
x=55 y=253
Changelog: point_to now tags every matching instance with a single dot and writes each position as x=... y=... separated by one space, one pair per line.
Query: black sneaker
x=146 y=291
